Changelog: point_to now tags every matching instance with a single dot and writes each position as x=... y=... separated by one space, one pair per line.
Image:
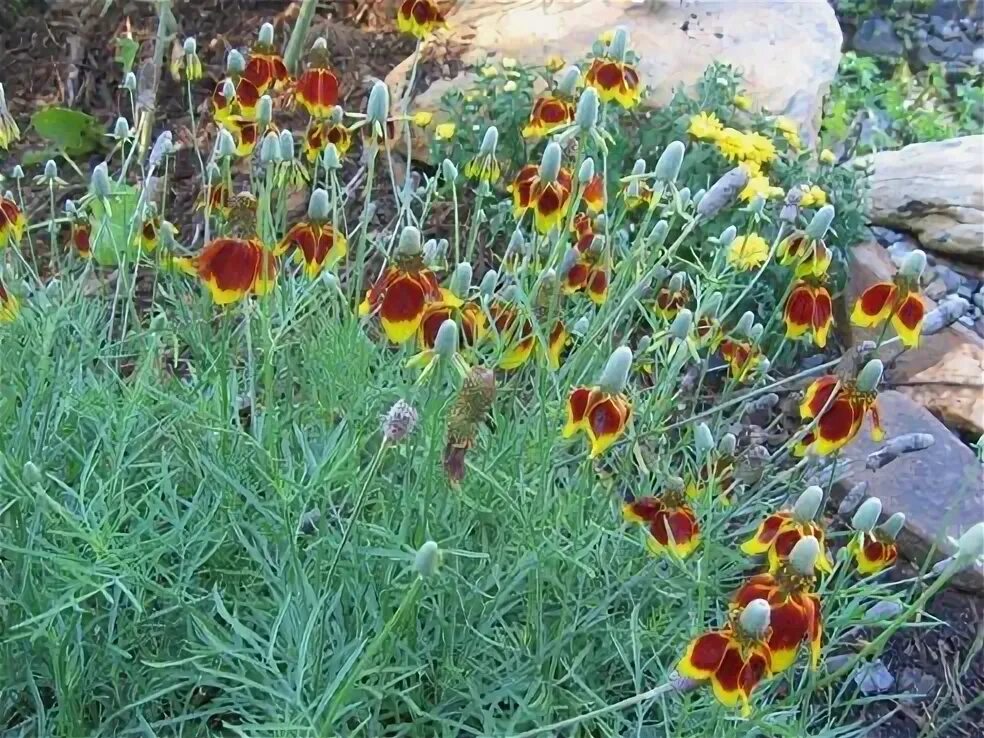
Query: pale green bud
x=821 y=223
x=870 y=376
x=320 y=44
x=808 y=504
x=804 y=555
x=461 y=279
x=597 y=245
x=866 y=516
x=757 y=205
x=616 y=372
x=728 y=236
x=639 y=167
x=893 y=526
x=914 y=264
x=235 y=63
x=581 y=326
x=190 y=46
x=489 y=280
x=409 y=241
x=50 y=170
x=710 y=306
x=319 y=206
x=754 y=619
x=619 y=44
x=683 y=198
x=17 y=172
x=377 y=109
x=121 y=131
x=970 y=547
x=446 y=343
x=270 y=149
x=450 y=170
x=287 y=145
x=264 y=111
x=229 y=90
x=336 y=116
x=670 y=161
x=644 y=343
x=674 y=484
x=755 y=333
x=677 y=281
x=699 y=195
x=567 y=263
x=550 y=163
x=727 y=444
x=657 y=237
x=744 y=325
x=32 y=475
x=568 y=81
x=703 y=441
x=427 y=560
x=680 y=328
x=212 y=173
x=130 y=82
x=99 y=183
x=225 y=145
x=489 y=141
x=265 y=36
x=587 y=171
x=330 y=159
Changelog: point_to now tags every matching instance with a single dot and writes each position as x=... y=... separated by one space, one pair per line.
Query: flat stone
x=940 y=490
x=944 y=373
x=787 y=51
x=934 y=190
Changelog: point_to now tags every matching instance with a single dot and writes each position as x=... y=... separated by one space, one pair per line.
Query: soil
x=62 y=53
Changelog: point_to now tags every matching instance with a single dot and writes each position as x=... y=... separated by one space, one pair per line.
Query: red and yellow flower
x=603 y=416
x=742 y=357
x=841 y=421
x=733 y=661
x=778 y=533
x=12 y=223
x=317 y=87
x=401 y=295
x=794 y=614
x=593 y=195
x=149 y=235
x=549 y=113
x=233 y=268
x=809 y=256
x=419 y=18
x=243 y=103
x=516 y=334
x=266 y=69
x=320 y=133
x=719 y=472
x=316 y=244
x=898 y=302
x=468 y=315
x=590 y=271
x=809 y=308
x=615 y=81
x=669 y=302
x=670 y=522
x=873 y=551
x=549 y=201
x=80 y=235
x=215 y=199
x=9 y=306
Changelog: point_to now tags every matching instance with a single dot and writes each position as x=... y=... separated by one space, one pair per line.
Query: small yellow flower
x=827 y=157
x=753 y=168
x=555 y=63
x=748 y=252
x=734 y=144
x=759 y=186
x=705 y=126
x=508 y=62
x=763 y=150
x=742 y=102
x=789 y=128
x=445 y=131
x=607 y=36
x=489 y=71
x=510 y=86
x=423 y=118
x=814 y=197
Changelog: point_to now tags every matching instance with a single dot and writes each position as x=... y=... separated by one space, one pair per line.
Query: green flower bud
x=17 y=172
x=330 y=159
x=884 y=610
x=336 y=116
x=619 y=44
x=427 y=560
x=804 y=555
x=461 y=279
x=699 y=195
x=587 y=171
x=32 y=475
x=229 y=90
x=409 y=241
x=703 y=441
x=213 y=175
x=677 y=281
x=320 y=44
x=235 y=63
x=893 y=526
x=121 y=131
x=821 y=223
x=581 y=326
x=270 y=149
x=870 y=376
x=50 y=170
x=446 y=343
x=597 y=245
x=914 y=264
x=728 y=236
x=808 y=504
x=265 y=36
x=550 y=163
x=377 y=109
x=644 y=343
x=616 y=372
x=657 y=237
x=130 y=82
x=287 y=145
x=755 y=333
x=970 y=547
x=745 y=323
x=727 y=444
x=754 y=619
x=680 y=328
x=488 y=283
x=670 y=161
x=264 y=112
x=723 y=192
x=99 y=184
x=568 y=81
x=319 y=206
x=757 y=205
x=683 y=198
x=190 y=46
x=866 y=516
x=450 y=170
x=710 y=306
x=489 y=141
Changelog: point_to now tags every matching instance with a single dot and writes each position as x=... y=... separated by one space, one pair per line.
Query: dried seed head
x=870 y=376
x=821 y=223
x=235 y=63
x=893 y=526
x=399 y=422
x=550 y=163
x=670 y=161
x=703 y=441
x=427 y=560
x=804 y=555
x=754 y=619
x=723 y=192
x=808 y=504
x=319 y=206
x=616 y=372
x=866 y=517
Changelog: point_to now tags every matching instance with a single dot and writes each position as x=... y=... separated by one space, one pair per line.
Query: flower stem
x=298 y=34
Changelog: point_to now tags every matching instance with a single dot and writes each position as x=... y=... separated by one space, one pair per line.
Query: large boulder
x=936 y=191
x=788 y=50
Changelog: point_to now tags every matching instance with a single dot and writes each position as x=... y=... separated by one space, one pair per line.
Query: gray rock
x=967 y=321
x=886 y=236
x=978 y=299
x=916 y=680
x=964 y=291
x=951 y=279
x=877 y=37
x=936 y=289
x=873 y=677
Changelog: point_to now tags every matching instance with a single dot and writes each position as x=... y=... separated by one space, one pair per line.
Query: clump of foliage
x=315 y=473
x=870 y=109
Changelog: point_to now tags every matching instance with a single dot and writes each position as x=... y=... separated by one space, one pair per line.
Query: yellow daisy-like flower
x=445 y=131
x=423 y=118
x=753 y=168
x=742 y=102
x=555 y=63
x=748 y=252
x=759 y=187
x=763 y=150
x=789 y=128
x=814 y=198
x=734 y=144
x=705 y=126
x=827 y=157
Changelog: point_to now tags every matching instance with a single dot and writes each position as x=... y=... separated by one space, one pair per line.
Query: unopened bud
x=683 y=198
x=616 y=372
x=884 y=610
x=581 y=326
x=754 y=619
x=727 y=445
x=235 y=63
x=446 y=343
x=587 y=171
x=677 y=281
x=121 y=131
x=657 y=237
x=265 y=36
x=319 y=206
x=17 y=172
x=710 y=306
x=550 y=163
x=970 y=547
x=264 y=112
x=644 y=343
x=212 y=173
x=461 y=279
x=229 y=90
x=821 y=223
x=287 y=145
x=330 y=159
x=320 y=44
x=450 y=170
x=870 y=376
x=680 y=328
x=190 y=46
x=489 y=141
x=914 y=264
x=808 y=504
x=893 y=526
x=568 y=81
x=723 y=192
x=50 y=170
x=619 y=44
x=804 y=555
x=699 y=195
x=703 y=441
x=270 y=149
x=670 y=161
x=409 y=241
x=866 y=516
x=755 y=333
x=757 y=205
x=32 y=475
x=377 y=109
x=99 y=183
x=427 y=560
x=163 y=146
x=744 y=325
x=728 y=236
x=487 y=285
x=597 y=245
x=130 y=82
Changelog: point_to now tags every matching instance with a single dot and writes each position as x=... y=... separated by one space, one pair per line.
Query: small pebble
x=935 y=289
x=950 y=278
